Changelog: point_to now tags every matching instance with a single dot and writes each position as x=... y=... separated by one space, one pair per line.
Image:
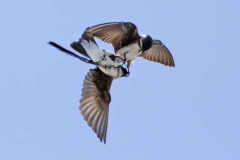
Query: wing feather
x=159 y=53
x=118 y=34
x=94 y=102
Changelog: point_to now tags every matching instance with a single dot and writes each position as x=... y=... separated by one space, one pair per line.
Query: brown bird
x=95 y=97
x=128 y=44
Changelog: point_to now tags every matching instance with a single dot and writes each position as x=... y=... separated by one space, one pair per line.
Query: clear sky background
x=190 y=112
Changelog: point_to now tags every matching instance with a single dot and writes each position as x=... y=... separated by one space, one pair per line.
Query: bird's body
x=95 y=97
x=128 y=53
x=128 y=44
x=102 y=58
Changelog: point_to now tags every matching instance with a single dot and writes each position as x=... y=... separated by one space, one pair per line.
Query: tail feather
x=70 y=53
x=79 y=48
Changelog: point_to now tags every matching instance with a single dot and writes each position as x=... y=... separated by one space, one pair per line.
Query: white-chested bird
x=95 y=97
x=128 y=44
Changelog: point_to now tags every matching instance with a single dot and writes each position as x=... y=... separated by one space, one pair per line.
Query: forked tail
x=70 y=53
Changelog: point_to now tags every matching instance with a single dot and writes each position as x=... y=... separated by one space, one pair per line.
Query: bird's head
x=145 y=42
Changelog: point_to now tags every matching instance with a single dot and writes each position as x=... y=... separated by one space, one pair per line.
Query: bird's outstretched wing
x=94 y=102
x=117 y=33
x=159 y=53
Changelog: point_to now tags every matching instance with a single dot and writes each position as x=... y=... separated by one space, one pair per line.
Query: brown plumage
x=95 y=98
x=122 y=34
x=158 y=53
x=94 y=102
x=119 y=34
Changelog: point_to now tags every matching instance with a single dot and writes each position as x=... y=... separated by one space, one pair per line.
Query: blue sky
x=182 y=113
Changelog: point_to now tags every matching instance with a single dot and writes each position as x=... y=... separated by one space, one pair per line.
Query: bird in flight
x=128 y=44
x=95 y=97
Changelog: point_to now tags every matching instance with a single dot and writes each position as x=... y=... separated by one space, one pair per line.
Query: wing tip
x=172 y=64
